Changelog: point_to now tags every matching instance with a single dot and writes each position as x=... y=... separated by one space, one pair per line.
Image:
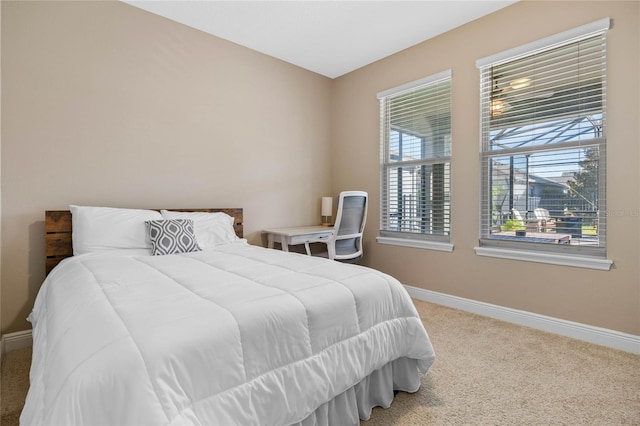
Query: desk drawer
x=301 y=239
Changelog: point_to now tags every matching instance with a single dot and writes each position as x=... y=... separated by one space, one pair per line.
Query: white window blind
x=415 y=166
x=543 y=147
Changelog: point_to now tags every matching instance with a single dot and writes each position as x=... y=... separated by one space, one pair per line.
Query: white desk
x=296 y=235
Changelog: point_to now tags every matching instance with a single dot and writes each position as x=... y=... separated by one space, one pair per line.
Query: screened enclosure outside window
x=543 y=146
x=415 y=172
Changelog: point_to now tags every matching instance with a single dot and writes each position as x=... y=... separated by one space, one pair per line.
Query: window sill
x=549 y=258
x=421 y=244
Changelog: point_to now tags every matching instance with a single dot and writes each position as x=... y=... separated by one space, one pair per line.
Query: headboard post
x=58 y=232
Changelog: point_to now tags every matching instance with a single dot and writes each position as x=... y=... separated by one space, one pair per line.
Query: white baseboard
x=17 y=340
x=600 y=336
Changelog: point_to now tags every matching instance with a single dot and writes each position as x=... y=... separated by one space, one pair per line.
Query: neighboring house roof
x=564 y=179
x=521 y=175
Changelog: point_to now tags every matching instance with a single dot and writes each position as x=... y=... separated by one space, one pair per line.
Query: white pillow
x=107 y=228
x=212 y=229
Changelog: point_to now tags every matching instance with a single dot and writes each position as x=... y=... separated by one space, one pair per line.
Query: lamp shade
x=327 y=206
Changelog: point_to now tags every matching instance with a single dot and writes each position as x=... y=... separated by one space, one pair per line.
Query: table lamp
x=327 y=210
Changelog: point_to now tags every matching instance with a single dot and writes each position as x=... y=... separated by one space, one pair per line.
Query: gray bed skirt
x=375 y=390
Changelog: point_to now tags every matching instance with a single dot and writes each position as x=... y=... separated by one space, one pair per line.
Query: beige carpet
x=15 y=384
x=486 y=372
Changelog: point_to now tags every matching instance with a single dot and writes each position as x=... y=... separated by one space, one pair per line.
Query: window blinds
x=416 y=159
x=543 y=140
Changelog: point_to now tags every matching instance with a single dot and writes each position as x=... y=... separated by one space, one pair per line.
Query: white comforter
x=236 y=335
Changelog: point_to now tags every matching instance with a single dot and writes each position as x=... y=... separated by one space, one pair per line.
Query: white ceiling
x=328 y=37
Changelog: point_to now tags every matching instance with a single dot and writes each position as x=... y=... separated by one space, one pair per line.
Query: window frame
x=412 y=239
x=571 y=255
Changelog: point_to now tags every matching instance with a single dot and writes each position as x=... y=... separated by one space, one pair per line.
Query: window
x=543 y=146
x=415 y=164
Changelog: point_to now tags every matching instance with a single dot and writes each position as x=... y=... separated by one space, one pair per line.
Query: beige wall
x=105 y=104
x=606 y=299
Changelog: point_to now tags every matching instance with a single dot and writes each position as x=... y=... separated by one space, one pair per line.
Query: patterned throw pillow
x=171 y=236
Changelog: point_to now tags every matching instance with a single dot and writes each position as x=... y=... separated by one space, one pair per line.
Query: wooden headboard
x=57 y=228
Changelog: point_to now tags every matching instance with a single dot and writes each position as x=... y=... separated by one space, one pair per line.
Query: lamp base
x=326 y=224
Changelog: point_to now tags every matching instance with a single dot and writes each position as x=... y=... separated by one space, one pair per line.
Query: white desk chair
x=345 y=243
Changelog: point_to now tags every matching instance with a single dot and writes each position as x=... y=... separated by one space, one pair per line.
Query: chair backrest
x=517 y=215
x=350 y=220
x=541 y=213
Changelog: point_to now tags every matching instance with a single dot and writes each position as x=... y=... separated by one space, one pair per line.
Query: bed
x=220 y=333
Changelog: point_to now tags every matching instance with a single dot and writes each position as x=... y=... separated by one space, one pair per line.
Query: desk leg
x=270 y=241
x=284 y=243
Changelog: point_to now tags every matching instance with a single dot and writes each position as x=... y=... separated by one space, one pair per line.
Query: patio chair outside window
x=545 y=221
